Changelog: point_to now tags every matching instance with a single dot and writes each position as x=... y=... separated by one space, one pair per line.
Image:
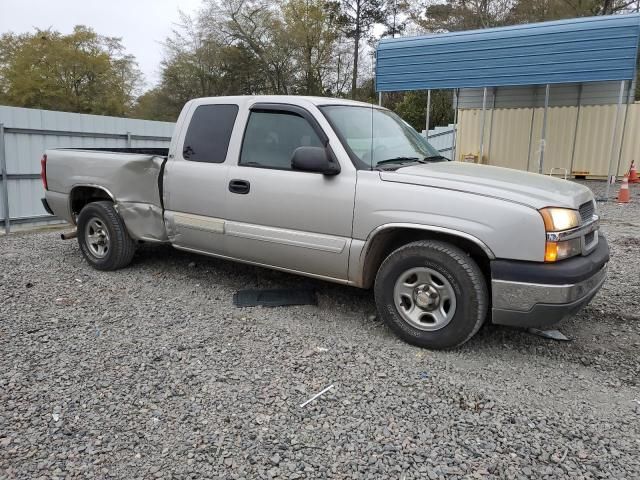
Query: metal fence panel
x=29 y=132
x=516 y=134
x=441 y=138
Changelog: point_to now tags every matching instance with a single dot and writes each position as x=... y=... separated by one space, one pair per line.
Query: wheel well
x=81 y=196
x=391 y=239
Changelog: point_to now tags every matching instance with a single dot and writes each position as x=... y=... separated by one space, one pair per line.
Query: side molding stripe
x=283 y=236
x=199 y=222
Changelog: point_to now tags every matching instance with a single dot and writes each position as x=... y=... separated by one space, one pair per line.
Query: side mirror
x=314 y=159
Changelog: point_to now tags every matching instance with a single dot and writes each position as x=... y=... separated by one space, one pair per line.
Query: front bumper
x=528 y=294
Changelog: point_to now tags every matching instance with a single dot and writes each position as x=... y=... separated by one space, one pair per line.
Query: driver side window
x=271 y=137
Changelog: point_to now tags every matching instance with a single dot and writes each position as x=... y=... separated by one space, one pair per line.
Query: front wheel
x=431 y=294
x=103 y=237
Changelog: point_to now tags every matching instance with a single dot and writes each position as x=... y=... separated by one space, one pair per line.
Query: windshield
x=375 y=137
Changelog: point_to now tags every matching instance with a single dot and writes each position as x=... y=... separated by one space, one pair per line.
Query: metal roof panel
x=579 y=50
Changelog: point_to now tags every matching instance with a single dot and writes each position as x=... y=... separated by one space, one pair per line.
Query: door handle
x=239 y=186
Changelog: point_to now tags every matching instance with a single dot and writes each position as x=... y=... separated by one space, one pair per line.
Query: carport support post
x=482 y=121
x=426 y=132
x=493 y=108
x=575 y=131
x=5 y=182
x=380 y=98
x=614 y=134
x=624 y=122
x=543 y=136
x=454 y=144
x=533 y=117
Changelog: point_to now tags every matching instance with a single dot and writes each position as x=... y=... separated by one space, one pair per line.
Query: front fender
x=503 y=229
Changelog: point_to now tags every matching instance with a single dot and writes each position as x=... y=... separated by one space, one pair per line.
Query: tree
x=250 y=47
x=312 y=28
x=154 y=105
x=358 y=18
x=412 y=108
x=200 y=60
x=396 y=17
x=456 y=15
x=80 y=72
x=257 y=26
x=339 y=82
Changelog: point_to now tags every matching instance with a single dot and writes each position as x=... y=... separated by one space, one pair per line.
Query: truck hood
x=531 y=189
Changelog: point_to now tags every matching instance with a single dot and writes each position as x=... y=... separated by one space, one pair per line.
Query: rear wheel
x=431 y=294
x=103 y=237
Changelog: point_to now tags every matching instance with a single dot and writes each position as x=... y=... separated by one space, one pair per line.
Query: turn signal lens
x=558 y=219
x=555 y=251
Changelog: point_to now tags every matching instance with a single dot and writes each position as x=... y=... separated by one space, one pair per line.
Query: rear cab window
x=209 y=133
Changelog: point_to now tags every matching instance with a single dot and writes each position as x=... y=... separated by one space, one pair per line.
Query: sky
x=142 y=24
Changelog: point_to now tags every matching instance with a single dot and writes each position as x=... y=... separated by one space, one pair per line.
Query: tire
x=431 y=294
x=103 y=237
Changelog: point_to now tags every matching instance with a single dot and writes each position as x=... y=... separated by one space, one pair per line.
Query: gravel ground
x=151 y=372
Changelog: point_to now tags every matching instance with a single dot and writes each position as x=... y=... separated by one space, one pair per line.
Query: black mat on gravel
x=276 y=297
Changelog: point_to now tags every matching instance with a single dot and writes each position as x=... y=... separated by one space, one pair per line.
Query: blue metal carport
x=566 y=51
x=581 y=50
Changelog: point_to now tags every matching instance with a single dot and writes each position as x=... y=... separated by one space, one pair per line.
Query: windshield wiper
x=435 y=158
x=398 y=160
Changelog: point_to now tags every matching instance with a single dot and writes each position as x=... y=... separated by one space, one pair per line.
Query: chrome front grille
x=586 y=211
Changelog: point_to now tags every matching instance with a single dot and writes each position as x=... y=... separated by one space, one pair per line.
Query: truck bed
x=131 y=176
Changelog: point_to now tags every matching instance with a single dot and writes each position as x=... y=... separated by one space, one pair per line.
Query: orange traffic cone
x=623 y=194
x=633 y=173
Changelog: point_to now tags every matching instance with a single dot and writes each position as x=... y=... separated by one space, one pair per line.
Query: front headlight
x=558 y=219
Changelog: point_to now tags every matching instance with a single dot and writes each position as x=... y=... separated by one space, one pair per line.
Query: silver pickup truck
x=346 y=192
